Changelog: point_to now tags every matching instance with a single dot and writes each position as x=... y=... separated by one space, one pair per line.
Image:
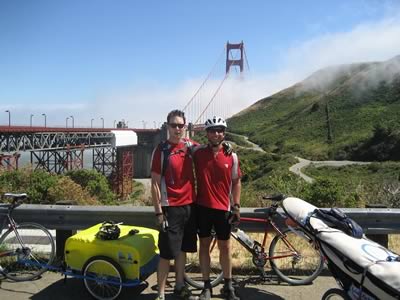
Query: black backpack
x=336 y=218
x=166 y=153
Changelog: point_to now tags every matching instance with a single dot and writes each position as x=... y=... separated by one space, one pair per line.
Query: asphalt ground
x=52 y=286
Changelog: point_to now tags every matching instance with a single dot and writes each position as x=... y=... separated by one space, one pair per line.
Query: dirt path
x=52 y=286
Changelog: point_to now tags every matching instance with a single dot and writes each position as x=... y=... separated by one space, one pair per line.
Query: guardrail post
x=62 y=235
x=382 y=239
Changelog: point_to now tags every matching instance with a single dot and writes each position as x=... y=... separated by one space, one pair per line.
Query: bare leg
x=225 y=257
x=204 y=256
x=162 y=274
x=180 y=261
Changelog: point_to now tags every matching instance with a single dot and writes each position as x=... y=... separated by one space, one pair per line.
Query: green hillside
x=338 y=112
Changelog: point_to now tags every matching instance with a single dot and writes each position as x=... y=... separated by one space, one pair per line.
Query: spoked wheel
x=297 y=260
x=334 y=294
x=27 y=252
x=103 y=278
x=193 y=274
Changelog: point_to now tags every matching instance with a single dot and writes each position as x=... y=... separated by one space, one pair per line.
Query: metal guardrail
x=65 y=217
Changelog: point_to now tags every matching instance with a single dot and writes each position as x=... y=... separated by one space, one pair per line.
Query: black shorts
x=209 y=218
x=181 y=234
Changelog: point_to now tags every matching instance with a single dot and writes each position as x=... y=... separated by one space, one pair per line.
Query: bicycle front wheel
x=26 y=251
x=193 y=275
x=294 y=257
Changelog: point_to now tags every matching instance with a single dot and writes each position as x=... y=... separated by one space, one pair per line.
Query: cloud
x=365 y=43
x=148 y=103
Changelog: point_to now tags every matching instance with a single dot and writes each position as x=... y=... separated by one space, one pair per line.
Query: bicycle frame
x=275 y=228
x=9 y=223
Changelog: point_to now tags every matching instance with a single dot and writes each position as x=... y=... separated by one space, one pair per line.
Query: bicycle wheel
x=297 y=259
x=103 y=278
x=193 y=274
x=333 y=294
x=28 y=251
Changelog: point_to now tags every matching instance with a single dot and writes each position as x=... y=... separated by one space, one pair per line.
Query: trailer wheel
x=103 y=278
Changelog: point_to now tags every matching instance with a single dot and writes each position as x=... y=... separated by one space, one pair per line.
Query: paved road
x=51 y=286
x=252 y=146
x=303 y=163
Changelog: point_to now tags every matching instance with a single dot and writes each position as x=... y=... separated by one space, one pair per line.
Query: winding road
x=303 y=163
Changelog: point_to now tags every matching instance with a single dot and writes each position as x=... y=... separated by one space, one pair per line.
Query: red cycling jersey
x=177 y=184
x=214 y=176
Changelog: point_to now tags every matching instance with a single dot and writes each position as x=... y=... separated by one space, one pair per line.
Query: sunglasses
x=216 y=130
x=175 y=125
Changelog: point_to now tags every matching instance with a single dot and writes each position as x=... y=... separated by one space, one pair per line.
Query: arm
x=236 y=189
x=155 y=192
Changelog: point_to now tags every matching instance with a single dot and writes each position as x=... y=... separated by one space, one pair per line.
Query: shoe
x=229 y=293
x=205 y=294
x=185 y=294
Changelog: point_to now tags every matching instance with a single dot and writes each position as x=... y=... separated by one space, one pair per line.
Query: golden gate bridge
x=58 y=150
x=214 y=97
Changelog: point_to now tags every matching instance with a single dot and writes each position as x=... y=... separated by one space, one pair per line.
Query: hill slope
x=356 y=99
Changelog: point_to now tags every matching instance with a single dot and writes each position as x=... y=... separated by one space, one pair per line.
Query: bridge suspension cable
x=205 y=80
x=196 y=108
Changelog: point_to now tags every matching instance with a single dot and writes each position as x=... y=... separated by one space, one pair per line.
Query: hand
x=228 y=149
x=159 y=221
x=234 y=219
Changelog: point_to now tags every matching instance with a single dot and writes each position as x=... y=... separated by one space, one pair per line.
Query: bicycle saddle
x=16 y=196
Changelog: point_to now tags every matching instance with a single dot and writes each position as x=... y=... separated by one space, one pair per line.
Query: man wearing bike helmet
x=218 y=202
x=172 y=188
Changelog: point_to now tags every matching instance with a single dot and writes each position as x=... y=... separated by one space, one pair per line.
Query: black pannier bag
x=336 y=218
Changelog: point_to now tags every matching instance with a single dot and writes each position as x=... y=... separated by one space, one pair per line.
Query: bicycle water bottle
x=245 y=238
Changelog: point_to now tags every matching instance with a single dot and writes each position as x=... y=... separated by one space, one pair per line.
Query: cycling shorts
x=210 y=218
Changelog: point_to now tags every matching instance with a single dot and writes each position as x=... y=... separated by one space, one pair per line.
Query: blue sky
x=136 y=60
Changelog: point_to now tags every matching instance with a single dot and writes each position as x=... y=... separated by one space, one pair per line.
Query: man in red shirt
x=218 y=202
x=172 y=188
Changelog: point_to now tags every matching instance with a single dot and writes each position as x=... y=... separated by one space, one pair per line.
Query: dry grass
x=394 y=243
x=242 y=259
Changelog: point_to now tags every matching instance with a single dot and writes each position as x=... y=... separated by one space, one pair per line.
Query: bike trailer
x=363 y=268
x=135 y=250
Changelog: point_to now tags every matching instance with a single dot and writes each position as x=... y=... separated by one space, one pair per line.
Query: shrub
x=324 y=193
x=34 y=183
x=67 y=189
x=94 y=183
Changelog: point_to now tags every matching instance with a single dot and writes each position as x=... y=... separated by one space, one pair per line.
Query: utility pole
x=328 y=123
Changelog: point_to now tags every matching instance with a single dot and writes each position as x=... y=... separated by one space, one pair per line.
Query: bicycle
x=26 y=249
x=292 y=253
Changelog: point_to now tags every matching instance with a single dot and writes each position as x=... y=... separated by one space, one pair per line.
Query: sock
x=179 y=286
x=161 y=296
x=207 y=284
x=228 y=283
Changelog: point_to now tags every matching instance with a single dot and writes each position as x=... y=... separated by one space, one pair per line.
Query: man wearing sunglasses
x=172 y=187
x=218 y=202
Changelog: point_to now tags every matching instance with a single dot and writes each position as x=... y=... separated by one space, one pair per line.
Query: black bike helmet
x=108 y=231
